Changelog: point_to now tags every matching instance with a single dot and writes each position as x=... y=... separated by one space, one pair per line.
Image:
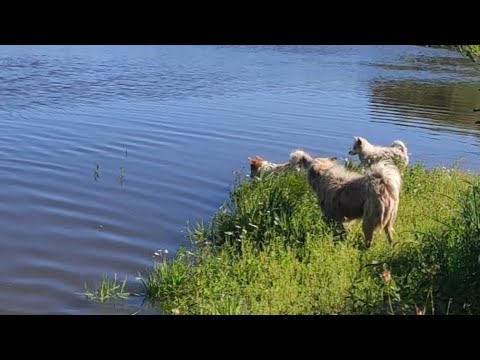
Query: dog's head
x=357 y=145
x=255 y=164
x=322 y=164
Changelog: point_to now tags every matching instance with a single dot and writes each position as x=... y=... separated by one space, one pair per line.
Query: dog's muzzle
x=351 y=152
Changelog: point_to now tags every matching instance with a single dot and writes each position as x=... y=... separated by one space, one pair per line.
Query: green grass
x=470 y=51
x=108 y=289
x=267 y=251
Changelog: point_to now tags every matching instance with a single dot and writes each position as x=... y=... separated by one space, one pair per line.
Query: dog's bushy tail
x=301 y=158
x=390 y=176
x=383 y=196
x=400 y=145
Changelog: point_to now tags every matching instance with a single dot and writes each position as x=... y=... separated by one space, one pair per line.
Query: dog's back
x=393 y=153
x=341 y=193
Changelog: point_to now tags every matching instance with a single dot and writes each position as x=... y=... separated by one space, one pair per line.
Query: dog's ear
x=358 y=140
x=334 y=159
x=255 y=160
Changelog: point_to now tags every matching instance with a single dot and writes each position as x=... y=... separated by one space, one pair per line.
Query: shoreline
x=267 y=251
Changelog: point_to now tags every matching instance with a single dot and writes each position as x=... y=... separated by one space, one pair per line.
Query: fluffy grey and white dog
x=370 y=154
x=345 y=196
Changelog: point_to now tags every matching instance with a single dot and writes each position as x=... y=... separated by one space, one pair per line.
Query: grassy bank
x=267 y=251
x=470 y=51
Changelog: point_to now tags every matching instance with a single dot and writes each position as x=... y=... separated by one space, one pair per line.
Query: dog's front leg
x=338 y=227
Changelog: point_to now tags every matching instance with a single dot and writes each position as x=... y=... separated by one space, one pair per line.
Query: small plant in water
x=121 y=176
x=96 y=172
x=109 y=289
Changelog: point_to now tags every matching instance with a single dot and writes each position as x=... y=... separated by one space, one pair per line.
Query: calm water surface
x=167 y=127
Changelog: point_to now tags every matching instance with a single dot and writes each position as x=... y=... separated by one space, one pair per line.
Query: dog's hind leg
x=389 y=227
x=372 y=219
x=370 y=225
x=389 y=231
x=368 y=230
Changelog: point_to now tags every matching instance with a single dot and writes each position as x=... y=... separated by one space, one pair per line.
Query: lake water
x=169 y=125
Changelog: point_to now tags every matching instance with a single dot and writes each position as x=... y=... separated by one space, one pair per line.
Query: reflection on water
x=443 y=106
x=107 y=151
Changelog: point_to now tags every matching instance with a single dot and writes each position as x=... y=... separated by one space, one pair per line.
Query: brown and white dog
x=371 y=154
x=345 y=196
x=259 y=167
